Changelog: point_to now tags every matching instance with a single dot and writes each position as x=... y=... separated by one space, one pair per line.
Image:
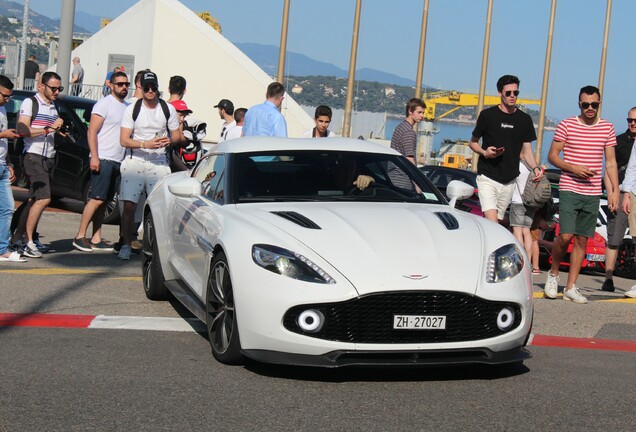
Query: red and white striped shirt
x=584 y=145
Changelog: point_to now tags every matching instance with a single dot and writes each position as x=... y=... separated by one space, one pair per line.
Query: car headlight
x=504 y=263
x=290 y=264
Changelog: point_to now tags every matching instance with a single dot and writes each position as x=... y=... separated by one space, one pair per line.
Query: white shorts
x=138 y=174
x=494 y=195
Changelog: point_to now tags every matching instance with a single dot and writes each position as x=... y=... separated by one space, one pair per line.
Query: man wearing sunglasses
x=617 y=222
x=106 y=156
x=584 y=140
x=39 y=131
x=146 y=133
x=628 y=187
x=506 y=133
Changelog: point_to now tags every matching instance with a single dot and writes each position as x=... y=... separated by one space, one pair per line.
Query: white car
x=271 y=244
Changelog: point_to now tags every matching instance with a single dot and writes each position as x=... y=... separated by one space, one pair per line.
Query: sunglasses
x=586 y=105
x=6 y=96
x=150 y=88
x=55 y=89
x=122 y=84
x=511 y=92
x=629 y=120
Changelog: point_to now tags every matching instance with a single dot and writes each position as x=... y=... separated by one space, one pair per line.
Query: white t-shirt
x=310 y=133
x=112 y=111
x=524 y=172
x=227 y=127
x=151 y=123
x=234 y=133
x=47 y=114
x=4 y=143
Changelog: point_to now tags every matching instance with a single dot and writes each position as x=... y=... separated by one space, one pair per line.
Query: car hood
x=388 y=246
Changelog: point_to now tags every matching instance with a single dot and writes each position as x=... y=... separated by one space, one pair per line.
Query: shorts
x=632 y=214
x=521 y=216
x=578 y=213
x=39 y=169
x=138 y=174
x=617 y=224
x=104 y=182
x=494 y=195
x=534 y=228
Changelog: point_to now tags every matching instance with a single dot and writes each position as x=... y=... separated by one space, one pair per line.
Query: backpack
x=535 y=193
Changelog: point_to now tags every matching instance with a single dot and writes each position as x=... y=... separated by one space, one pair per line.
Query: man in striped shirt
x=404 y=140
x=583 y=139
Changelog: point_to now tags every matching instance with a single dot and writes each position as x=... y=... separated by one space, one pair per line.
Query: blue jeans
x=6 y=208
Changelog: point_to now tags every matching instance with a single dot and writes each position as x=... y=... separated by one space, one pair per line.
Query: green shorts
x=578 y=213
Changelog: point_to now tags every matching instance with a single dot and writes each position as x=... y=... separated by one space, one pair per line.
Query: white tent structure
x=168 y=38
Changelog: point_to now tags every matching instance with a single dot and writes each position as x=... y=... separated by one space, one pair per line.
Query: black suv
x=72 y=160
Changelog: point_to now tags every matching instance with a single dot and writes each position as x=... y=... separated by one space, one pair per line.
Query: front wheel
x=222 y=324
x=153 y=279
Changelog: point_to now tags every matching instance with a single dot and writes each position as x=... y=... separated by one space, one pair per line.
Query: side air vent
x=449 y=221
x=297 y=218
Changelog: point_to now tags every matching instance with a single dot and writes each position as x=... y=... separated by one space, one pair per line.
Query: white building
x=168 y=38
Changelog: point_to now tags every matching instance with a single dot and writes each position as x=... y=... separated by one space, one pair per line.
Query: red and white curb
x=194 y=325
x=101 y=322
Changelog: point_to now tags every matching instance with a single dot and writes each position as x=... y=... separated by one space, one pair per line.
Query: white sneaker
x=631 y=293
x=551 y=286
x=574 y=295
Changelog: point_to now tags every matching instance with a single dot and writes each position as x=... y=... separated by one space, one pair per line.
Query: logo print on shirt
x=507 y=126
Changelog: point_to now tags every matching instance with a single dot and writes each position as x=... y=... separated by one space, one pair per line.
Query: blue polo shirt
x=264 y=120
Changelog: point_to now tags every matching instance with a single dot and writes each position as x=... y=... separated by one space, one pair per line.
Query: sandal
x=13 y=257
x=536 y=271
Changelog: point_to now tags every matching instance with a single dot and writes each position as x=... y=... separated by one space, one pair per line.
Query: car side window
x=210 y=172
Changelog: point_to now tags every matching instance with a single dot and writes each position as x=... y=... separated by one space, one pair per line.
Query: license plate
x=419 y=322
x=595 y=257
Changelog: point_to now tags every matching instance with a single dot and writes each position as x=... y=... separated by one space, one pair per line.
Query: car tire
x=153 y=279
x=220 y=309
x=625 y=265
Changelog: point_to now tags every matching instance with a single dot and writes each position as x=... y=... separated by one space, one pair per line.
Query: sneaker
x=82 y=244
x=608 y=285
x=102 y=245
x=551 y=286
x=574 y=295
x=124 y=252
x=631 y=293
x=136 y=245
x=40 y=246
x=31 y=250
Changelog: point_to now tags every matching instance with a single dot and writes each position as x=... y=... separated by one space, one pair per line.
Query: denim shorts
x=578 y=213
x=104 y=182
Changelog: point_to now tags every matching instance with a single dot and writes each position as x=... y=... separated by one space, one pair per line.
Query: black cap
x=226 y=104
x=149 y=78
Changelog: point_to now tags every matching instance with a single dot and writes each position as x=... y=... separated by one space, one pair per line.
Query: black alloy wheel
x=153 y=279
x=222 y=324
x=625 y=264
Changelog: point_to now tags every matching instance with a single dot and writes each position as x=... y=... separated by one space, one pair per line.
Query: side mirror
x=185 y=188
x=458 y=190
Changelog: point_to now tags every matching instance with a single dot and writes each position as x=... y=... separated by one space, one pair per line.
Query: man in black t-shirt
x=506 y=134
x=31 y=69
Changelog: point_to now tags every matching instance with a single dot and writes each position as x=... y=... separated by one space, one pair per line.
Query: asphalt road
x=96 y=379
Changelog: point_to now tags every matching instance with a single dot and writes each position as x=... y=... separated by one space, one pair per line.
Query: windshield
x=313 y=175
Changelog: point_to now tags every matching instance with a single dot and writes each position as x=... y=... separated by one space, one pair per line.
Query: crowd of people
x=134 y=138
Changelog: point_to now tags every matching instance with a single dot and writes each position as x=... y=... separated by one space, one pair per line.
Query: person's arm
x=528 y=156
x=125 y=138
x=280 y=127
x=488 y=153
x=93 y=128
x=612 y=172
x=555 y=159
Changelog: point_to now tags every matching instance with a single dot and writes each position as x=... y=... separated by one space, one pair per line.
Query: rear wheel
x=222 y=325
x=625 y=265
x=153 y=280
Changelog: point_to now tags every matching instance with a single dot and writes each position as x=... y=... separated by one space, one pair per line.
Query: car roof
x=73 y=100
x=261 y=143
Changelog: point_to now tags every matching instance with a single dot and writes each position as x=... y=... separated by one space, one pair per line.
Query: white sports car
x=334 y=252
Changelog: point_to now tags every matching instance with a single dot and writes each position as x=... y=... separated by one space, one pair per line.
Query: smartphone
x=499 y=149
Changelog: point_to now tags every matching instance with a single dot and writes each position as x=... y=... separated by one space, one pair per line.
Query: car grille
x=369 y=319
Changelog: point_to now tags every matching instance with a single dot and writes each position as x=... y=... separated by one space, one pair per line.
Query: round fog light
x=310 y=320
x=505 y=319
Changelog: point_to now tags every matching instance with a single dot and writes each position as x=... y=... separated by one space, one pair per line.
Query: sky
x=390 y=33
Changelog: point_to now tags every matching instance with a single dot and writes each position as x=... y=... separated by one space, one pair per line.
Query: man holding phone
x=584 y=140
x=506 y=132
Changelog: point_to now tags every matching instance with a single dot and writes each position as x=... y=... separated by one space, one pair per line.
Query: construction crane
x=458 y=100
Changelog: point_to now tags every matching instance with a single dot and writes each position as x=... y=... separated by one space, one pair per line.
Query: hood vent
x=297 y=218
x=449 y=221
